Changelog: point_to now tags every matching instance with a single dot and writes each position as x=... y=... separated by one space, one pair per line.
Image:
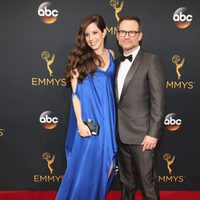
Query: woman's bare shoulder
x=112 y=52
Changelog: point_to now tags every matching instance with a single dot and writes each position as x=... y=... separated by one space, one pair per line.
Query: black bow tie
x=123 y=58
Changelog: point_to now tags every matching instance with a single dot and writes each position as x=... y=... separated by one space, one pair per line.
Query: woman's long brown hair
x=83 y=58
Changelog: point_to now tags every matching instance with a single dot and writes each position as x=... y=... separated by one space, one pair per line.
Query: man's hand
x=149 y=143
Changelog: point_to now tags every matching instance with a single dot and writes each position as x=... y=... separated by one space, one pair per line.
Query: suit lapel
x=131 y=72
x=117 y=63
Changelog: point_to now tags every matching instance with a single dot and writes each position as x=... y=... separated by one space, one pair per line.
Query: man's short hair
x=131 y=17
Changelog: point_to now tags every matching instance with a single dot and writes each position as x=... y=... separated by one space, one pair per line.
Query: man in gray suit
x=140 y=93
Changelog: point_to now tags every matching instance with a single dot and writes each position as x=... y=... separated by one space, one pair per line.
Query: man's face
x=129 y=41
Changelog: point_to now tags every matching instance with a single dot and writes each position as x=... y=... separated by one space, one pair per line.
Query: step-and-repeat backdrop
x=35 y=39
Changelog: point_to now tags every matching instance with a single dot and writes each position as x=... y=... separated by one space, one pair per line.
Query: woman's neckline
x=106 y=69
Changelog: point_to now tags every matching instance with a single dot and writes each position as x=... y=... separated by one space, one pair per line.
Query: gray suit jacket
x=141 y=107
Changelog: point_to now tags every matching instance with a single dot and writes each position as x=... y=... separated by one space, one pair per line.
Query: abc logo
x=47 y=120
x=171 y=122
x=46 y=14
x=182 y=18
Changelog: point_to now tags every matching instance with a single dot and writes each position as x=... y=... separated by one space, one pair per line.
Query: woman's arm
x=83 y=129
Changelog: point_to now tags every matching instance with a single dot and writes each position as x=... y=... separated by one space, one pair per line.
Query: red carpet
x=113 y=195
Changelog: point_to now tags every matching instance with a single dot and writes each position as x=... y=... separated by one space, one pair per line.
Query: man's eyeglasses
x=130 y=33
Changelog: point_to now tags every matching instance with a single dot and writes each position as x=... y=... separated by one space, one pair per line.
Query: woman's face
x=94 y=37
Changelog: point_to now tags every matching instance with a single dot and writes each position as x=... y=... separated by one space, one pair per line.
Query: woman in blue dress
x=90 y=158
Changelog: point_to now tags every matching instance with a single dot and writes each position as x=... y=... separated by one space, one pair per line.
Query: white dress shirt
x=123 y=70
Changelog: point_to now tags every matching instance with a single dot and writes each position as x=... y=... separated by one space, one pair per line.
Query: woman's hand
x=83 y=130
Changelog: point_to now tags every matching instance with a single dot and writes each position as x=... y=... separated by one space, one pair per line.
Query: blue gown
x=89 y=159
